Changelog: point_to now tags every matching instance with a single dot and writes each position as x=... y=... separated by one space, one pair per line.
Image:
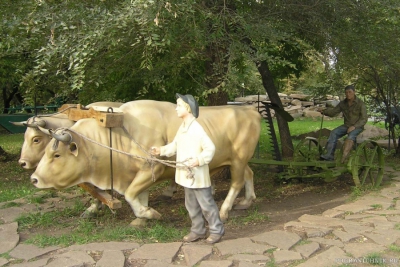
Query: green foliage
x=15 y=180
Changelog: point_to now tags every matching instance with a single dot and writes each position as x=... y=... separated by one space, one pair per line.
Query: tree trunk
x=284 y=132
x=216 y=69
x=217 y=99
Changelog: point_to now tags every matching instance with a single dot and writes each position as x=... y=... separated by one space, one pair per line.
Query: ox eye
x=57 y=155
x=36 y=140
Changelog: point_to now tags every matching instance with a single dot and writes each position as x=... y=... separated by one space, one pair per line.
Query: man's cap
x=349 y=87
x=191 y=101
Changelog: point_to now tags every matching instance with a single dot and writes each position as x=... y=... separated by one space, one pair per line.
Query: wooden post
x=101 y=195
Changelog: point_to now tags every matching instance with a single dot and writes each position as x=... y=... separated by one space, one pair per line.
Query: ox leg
x=144 y=199
x=240 y=175
x=93 y=210
x=170 y=190
x=135 y=193
x=249 y=195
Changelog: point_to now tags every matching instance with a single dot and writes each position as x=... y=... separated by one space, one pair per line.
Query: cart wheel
x=308 y=150
x=367 y=161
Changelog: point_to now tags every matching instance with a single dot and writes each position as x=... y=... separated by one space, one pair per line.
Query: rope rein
x=151 y=160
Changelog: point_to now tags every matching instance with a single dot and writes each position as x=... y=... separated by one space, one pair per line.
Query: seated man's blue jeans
x=337 y=133
x=341 y=131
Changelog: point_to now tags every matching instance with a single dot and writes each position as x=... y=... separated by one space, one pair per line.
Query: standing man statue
x=195 y=149
x=355 y=117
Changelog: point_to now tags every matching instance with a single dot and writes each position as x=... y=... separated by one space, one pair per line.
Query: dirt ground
x=277 y=203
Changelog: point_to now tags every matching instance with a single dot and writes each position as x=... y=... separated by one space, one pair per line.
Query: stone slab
x=286 y=255
x=345 y=236
x=321 y=220
x=306 y=250
x=333 y=213
x=156 y=263
x=9 y=215
x=3 y=261
x=357 y=216
x=66 y=262
x=195 y=253
x=249 y=258
x=330 y=257
x=111 y=258
x=358 y=250
x=278 y=238
x=327 y=241
x=247 y=264
x=241 y=246
x=223 y=263
x=357 y=228
x=28 y=252
x=161 y=252
x=80 y=256
x=9 y=237
x=105 y=246
x=38 y=263
x=384 y=238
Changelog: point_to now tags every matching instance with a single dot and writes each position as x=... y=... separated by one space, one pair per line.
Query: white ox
x=234 y=130
x=35 y=141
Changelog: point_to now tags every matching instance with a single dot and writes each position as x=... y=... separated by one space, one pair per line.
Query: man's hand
x=155 y=151
x=193 y=162
x=350 y=129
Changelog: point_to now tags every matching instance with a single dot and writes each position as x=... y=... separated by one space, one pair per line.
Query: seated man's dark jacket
x=354 y=115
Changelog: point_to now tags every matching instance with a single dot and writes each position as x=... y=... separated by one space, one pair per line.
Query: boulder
x=312 y=114
x=371 y=132
x=300 y=96
x=295 y=102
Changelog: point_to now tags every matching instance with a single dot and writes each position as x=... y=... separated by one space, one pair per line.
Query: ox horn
x=18 y=123
x=63 y=137
x=44 y=130
x=36 y=124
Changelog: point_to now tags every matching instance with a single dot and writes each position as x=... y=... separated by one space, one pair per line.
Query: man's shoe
x=327 y=158
x=192 y=237
x=213 y=238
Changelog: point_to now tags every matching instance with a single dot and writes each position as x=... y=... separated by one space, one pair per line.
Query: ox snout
x=26 y=164
x=34 y=181
x=22 y=163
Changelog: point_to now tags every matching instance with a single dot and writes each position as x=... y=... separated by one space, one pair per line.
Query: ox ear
x=73 y=148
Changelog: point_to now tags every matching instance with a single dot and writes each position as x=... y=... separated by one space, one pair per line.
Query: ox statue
x=35 y=141
x=78 y=154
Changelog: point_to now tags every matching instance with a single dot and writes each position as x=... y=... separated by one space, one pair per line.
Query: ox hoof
x=149 y=213
x=224 y=217
x=243 y=205
x=93 y=211
x=138 y=223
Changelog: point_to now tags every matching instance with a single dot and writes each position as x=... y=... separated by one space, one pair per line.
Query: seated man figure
x=355 y=117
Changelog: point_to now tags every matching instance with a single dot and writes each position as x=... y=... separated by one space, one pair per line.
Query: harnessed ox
x=35 y=141
x=74 y=156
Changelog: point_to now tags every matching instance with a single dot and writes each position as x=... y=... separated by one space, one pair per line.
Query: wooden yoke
x=100 y=114
x=104 y=118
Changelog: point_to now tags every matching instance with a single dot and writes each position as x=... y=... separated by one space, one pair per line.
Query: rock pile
x=297 y=105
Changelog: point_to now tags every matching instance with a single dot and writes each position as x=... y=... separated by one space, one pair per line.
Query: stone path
x=355 y=234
